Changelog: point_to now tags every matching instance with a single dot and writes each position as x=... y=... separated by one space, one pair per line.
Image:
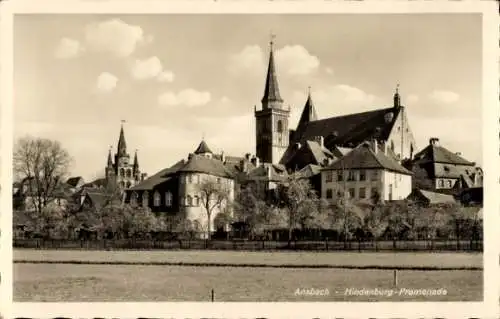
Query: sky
x=176 y=79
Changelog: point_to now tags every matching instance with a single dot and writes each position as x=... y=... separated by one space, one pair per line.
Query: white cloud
x=106 y=82
x=291 y=60
x=296 y=60
x=114 y=36
x=412 y=99
x=166 y=76
x=329 y=70
x=147 y=68
x=67 y=48
x=250 y=59
x=188 y=97
x=446 y=97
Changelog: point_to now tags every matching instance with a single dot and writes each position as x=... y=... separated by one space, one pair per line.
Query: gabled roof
x=309 y=171
x=310 y=151
x=308 y=113
x=363 y=157
x=158 y=178
x=73 y=181
x=268 y=172
x=438 y=154
x=435 y=198
x=98 y=199
x=202 y=148
x=351 y=129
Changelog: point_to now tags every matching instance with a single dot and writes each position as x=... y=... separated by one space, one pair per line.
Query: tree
x=212 y=195
x=300 y=203
x=41 y=164
x=247 y=207
x=432 y=218
x=345 y=216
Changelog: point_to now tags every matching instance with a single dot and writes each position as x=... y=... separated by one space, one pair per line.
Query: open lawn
x=92 y=283
x=399 y=259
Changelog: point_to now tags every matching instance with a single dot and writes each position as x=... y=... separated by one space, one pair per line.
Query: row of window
x=351 y=175
x=362 y=193
x=445 y=183
x=194 y=179
x=156 y=199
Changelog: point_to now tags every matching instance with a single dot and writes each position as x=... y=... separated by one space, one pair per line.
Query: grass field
x=87 y=283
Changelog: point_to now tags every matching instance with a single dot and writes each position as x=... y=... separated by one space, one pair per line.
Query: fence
x=251 y=245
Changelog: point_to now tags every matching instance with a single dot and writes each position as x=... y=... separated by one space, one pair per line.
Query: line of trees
x=294 y=208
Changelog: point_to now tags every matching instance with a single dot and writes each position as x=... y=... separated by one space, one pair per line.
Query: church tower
x=272 y=135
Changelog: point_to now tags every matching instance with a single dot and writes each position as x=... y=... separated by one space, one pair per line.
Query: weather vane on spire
x=272 y=36
x=309 y=90
x=397 y=88
x=203 y=136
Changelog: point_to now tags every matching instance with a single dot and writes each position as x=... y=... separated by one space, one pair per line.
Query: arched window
x=145 y=199
x=189 y=200
x=156 y=199
x=129 y=184
x=122 y=172
x=129 y=173
x=168 y=199
x=133 y=199
x=279 y=126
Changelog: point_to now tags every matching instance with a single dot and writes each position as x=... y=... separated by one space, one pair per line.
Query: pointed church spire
x=110 y=161
x=271 y=90
x=203 y=148
x=309 y=113
x=397 y=98
x=122 y=145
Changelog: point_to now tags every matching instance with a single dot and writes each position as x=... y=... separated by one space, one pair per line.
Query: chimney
x=375 y=146
x=434 y=141
x=222 y=157
x=247 y=156
x=320 y=140
x=268 y=171
x=243 y=166
x=255 y=161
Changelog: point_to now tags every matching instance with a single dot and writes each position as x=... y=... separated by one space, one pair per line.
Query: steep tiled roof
x=98 y=199
x=158 y=178
x=436 y=198
x=320 y=153
x=439 y=154
x=202 y=164
x=363 y=157
x=271 y=90
x=268 y=172
x=202 y=148
x=308 y=114
x=309 y=171
x=351 y=129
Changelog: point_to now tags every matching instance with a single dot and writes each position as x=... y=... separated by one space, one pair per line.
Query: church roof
x=363 y=157
x=268 y=172
x=351 y=129
x=271 y=90
x=203 y=148
x=438 y=154
x=308 y=113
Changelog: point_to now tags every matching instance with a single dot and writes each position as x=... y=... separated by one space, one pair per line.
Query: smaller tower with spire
x=308 y=113
x=121 y=172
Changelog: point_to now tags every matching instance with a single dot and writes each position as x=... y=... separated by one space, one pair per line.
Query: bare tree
x=212 y=195
x=41 y=164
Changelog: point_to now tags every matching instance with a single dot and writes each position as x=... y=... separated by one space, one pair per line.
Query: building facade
x=365 y=173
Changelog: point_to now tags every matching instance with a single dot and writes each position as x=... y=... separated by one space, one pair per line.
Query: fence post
x=395 y=278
